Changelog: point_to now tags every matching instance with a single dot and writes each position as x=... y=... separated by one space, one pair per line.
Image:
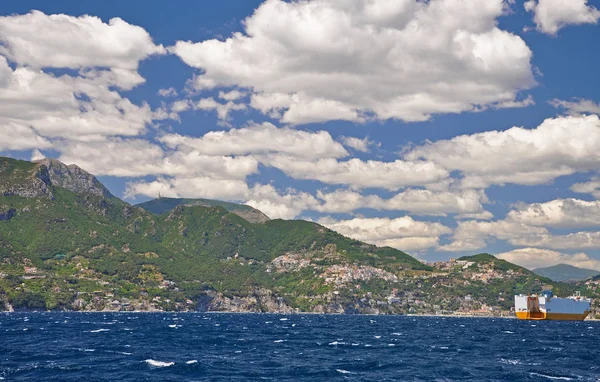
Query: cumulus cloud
x=552 y=15
x=361 y=174
x=559 y=146
x=358 y=144
x=169 y=92
x=533 y=258
x=222 y=109
x=592 y=187
x=138 y=158
x=233 y=95
x=314 y=61
x=19 y=137
x=472 y=235
x=563 y=213
x=287 y=205
x=83 y=103
x=418 y=202
x=193 y=187
x=261 y=139
x=62 y=41
x=577 y=106
x=403 y=233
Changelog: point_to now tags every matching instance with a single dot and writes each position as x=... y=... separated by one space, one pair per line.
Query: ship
x=548 y=307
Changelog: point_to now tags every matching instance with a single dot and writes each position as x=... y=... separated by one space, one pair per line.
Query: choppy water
x=228 y=347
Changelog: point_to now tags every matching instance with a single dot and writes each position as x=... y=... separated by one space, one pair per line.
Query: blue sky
x=387 y=121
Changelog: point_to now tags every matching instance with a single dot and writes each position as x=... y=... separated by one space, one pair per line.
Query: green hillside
x=565 y=272
x=163 y=205
x=67 y=244
x=81 y=242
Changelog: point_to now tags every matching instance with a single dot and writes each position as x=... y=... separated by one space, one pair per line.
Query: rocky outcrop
x=36 y=185
x=260 y=301
x=252 y=215
x=73 y=178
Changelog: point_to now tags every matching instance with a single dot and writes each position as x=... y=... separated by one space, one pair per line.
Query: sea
x=88 y=347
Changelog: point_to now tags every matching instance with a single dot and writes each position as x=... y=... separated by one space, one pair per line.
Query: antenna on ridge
x=159 y=195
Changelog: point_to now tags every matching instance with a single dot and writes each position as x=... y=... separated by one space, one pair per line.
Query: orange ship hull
x=552 y=316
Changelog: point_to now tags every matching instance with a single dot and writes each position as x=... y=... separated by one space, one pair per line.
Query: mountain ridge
x=163 y=205
x=566 y=272
x=66 y=243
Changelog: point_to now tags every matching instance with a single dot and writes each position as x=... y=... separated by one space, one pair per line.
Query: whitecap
x=283 y=319
x=279 y=341
x=335 y=343
x=508 y=332
x=155 y=363
x=396 y=334
x=89 y=350
x=551 y=377
x=99 y=330
x=191 y=362
x=355 y=344
x=510 y=361
x=342 y=371
x=377 y=337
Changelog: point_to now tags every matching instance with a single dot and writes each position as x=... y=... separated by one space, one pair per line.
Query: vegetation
x=63 y=248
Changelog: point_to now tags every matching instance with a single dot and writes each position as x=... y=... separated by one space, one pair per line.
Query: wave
x=99 y=330
x=156 y=363
x=551 y=377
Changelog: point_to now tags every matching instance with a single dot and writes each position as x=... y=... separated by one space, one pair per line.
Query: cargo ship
x=548 y=307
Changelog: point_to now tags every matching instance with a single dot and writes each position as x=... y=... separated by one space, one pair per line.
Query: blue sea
x=267 y=347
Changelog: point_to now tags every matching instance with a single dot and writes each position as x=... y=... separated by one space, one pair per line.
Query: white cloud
x=314 y=61
x=193 y=187
x=138 y=157
x=279 y=206
x=533 y=258
x=260 y=139
x=403 y=233
x=37 y=155
x=419 y=202
x=357 y=143
x=84 y=103
x=223 y=109
x=559 y=146
x=577 y=107
x=552 y=15
x=473 y=235
x=592 y=187
x=18 y=137
x=358 y=173
x=575 y=240
x=563 y=213
x=233 y=95
x=181 y=105
x=170 y=92
x=63 y=41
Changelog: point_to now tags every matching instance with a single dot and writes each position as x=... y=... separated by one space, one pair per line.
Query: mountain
x=66 y=243
x=70 y=240
x=163 y=205
x=565 y=272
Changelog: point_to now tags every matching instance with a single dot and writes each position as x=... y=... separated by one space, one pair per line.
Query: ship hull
x=547 y=307
x=552 y=316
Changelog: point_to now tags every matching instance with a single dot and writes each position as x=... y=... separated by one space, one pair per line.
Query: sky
x=442 y=128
